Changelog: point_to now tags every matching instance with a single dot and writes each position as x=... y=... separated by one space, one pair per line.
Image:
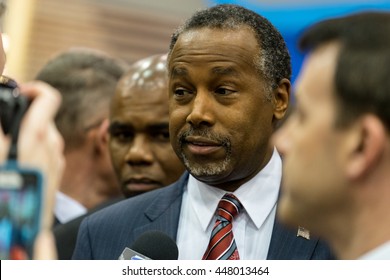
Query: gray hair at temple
x=86 y=79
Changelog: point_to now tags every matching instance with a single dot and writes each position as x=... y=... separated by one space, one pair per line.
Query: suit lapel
x=164 y=211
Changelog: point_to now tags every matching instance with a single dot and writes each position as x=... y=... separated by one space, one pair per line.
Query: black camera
x=12 y=106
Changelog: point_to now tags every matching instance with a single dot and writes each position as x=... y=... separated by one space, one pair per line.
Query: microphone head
x=156 y=245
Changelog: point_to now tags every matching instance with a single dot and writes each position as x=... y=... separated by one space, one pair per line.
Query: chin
x=207 y=170
x=139 y=189
x=129 y=194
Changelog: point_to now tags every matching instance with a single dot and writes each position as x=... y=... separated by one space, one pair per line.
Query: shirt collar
x=382 y=252
x=67 y=208
x=258 y=196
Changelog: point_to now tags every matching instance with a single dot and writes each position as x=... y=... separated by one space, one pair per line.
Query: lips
x=201 y=146
x=141 y=184
x=140 y=181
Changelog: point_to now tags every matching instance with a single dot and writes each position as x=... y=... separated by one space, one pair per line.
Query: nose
x=202 y=110
x=139 y=152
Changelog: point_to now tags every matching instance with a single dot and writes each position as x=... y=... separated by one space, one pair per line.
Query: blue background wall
x=291 y=17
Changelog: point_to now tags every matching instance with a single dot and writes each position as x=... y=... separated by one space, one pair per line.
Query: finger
x=5 y=142
x=35 y=124
x=45 y=246
x=53 y=174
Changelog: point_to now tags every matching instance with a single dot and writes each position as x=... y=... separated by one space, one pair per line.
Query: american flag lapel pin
x=302 y=232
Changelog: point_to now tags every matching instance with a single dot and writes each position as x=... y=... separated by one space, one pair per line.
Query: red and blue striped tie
x=222 y=245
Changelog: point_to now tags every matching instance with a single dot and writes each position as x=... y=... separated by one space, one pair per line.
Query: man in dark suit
x=139 y=146
x=229 y=72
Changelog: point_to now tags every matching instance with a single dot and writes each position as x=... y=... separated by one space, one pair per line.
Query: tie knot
x=229 y=207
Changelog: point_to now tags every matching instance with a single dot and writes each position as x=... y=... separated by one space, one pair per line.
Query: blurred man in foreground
x=336 y=145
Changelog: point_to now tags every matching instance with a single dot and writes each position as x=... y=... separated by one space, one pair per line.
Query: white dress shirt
x=379 y=253
x=252 y=229
x=66 y=208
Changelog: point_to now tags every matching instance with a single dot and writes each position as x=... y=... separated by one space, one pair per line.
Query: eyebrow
x=228 y=71
x=123 y=126
x=118 y=126
x=178 y=72
x=159 y=126
x=219 y=70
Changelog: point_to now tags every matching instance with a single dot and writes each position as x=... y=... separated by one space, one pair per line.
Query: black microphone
x=152 y=245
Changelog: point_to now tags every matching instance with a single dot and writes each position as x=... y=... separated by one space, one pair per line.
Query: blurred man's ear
x=102 y=134
x=97 y=137
x=368 y=143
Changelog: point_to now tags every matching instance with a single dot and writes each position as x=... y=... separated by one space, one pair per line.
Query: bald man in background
x=139 y=146
x=141 y=152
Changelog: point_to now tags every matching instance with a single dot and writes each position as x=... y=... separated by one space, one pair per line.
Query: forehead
x=315 y=82
x=142 y=115
x=153 y=96
x=237 y=45
x=146 y=75
x=146 y=99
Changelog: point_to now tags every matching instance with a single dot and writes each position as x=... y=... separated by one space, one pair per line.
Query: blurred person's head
x=229 y=71
x=336 y=144
x=86 y=79
x=141 y=153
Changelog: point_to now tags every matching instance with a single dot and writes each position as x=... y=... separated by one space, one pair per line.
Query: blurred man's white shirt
x=67 y=209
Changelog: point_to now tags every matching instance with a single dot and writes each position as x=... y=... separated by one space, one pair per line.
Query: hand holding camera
x=31 y=164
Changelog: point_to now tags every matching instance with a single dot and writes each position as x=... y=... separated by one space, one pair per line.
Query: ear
x=98 y=138
x=281 y=98
x=103 y=130
x=369 y=140
x=102 y=135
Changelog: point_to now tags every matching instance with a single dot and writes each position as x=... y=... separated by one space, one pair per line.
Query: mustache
x=205 y=133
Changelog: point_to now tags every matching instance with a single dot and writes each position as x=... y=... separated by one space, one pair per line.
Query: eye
x=181 y=92
x=161 y=136
x=122 y=135
x=224 y=91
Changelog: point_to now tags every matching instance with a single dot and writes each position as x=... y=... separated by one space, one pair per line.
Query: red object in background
x=18 y=253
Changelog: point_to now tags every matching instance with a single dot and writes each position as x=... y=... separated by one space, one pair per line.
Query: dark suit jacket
x=66 y=234
x=106 y=233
